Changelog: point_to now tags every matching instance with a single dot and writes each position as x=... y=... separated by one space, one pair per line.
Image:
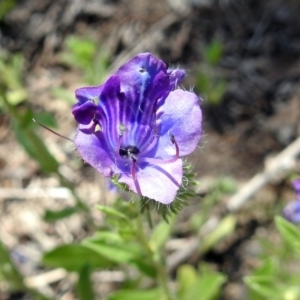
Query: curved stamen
x=119 y=145
x=163 y=161
x=52 y=131
x=133 y=169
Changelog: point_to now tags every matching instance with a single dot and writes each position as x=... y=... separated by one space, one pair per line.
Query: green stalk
x=149 y=219
x=155 y=257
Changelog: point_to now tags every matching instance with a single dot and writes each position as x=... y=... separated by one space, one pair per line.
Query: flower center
x=129 y=152
x=132 y=152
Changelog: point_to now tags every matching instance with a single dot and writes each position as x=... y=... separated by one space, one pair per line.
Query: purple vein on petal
x=168 y=175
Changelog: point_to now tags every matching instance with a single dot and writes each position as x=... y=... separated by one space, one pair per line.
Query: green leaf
x=6 y=6
x=226 y=185
x=16 y=96
x=154 y=294
x=265 y=286
x=259 y=289
x=8 y=270
x=112 y=212
x=210 y=282
x=80 y=51
x=52 y=215
x=105 y=235
x=268 y=268
x=126 y=208
x=186 y=277
x=289 y=232
x=119 y=219
x=145 y=266
x=84 y=285
x=213 y=52
x=161 y=234
x=36 y=148
x=225 y=228
x=31 y=142
x=217 y=91
x=206 y=287
x=84 y=54
x=74 y=257
x=11 y=71
x=101 y=66
x=203 y=82
x=122 y=253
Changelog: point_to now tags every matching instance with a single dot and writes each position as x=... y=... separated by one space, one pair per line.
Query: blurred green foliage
x=11 y=78
x=8 y=271
x=204 y=284
x=278 y=277
x=73 y=258
x=13 y=96
x=125 y=241
x=209 y=81
x=222 y=186
x=6 y=6
x=85 y=55
x=12 y=93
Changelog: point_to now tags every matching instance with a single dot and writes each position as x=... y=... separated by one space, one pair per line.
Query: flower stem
x=155 y=257
x=149 y=219
x=163 y=277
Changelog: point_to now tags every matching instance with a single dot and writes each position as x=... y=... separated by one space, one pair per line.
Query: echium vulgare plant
x=138 y=125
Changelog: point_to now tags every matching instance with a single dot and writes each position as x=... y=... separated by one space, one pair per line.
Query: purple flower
x=137 y=125
x=296 y=186
x=292 y=211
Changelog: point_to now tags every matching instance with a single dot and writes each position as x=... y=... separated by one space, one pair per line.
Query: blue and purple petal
x=137 y=125
x=84 y=110
x=296 y=186
x=292 y=211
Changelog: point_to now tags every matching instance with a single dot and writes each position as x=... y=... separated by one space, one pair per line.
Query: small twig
x=45 y=279
x=146 y=42
x=55 y=193
x=109 y=276
x=276 y=168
